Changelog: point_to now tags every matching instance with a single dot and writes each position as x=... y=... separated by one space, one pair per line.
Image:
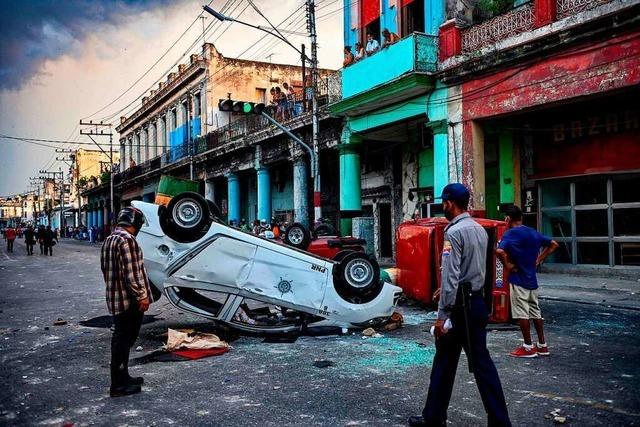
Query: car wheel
x=298 y=236
x=357 y=278
x=214 y=210
x=186 y=218
x=324 y=230
x=340 y=255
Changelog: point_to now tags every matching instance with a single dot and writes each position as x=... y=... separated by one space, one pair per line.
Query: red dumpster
x=419 y=246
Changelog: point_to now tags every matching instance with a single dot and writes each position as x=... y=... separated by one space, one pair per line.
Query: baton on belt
x=466 y=294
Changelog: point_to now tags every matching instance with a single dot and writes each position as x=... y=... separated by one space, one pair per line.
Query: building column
x=300 y=191
x=473 y=168
x=89 y=218
x=440 y=155
x=264 y=194
x=233 y=192
x=100 y=218
x=350 y=180
x=123 y=160
x=209 y=190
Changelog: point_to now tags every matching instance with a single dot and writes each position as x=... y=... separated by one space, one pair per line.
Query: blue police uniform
x=464 y=261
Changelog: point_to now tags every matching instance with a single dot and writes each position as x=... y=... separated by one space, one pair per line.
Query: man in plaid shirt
x=128 y=296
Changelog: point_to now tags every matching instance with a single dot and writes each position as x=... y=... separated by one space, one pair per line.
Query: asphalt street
x=53 y=375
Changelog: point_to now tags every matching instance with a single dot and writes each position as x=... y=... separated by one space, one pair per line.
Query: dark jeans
x=126 y=329
x=445 y=364
x=10 y=245
x=30 y=248
x=48 y=249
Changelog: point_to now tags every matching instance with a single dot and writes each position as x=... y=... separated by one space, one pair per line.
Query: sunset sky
x=63 y=61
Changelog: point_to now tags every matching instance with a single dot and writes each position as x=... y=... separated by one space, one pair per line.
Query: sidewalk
x=607 y=292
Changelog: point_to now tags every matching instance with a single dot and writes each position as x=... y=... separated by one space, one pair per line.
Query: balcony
x=516 y=26
x=393 y=73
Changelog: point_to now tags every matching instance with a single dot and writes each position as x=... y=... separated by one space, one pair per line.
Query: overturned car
x=251 y=283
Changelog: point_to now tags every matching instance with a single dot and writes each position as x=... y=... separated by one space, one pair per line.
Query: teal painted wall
x=389 y=18
x=437 y=111
x=282 y=200
x=434 y=14
x=391 y=114
x=425 y=168
x=380 y=68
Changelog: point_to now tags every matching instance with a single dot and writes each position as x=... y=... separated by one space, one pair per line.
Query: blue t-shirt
x=523 y=244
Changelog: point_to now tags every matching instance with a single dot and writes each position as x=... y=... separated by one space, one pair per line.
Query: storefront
x=575 y=170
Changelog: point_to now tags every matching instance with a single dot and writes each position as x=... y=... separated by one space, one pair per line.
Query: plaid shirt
x=123 y=270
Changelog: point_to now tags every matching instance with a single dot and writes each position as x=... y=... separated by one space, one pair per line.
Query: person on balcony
x=348 y=56
x=359 y=51
x=372 y=45
x=273 y=103
x=288 y=96
x=389 y=38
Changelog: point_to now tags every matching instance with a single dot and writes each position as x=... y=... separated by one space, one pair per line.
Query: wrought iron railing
x=514 y=22
x=571 y=7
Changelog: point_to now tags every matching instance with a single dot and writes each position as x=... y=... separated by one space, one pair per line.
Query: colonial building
x=530 y=103
x=544 y=102
x=394 y=146
x=249 y=167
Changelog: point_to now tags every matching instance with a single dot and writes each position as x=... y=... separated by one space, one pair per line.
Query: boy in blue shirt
x=519 y=251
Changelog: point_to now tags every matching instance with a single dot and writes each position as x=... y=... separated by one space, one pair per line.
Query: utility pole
x=311 y=23
x=304 y=77
x=94 y=127
x=69 y=156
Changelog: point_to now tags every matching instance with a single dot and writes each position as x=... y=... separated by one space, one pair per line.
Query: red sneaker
x=523 y=352
x=542 y=350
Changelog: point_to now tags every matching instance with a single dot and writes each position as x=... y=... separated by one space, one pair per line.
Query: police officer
x=463 y=268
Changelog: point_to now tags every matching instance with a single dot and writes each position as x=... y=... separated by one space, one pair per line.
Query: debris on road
x=369 y=332
x=59 y=322
x=556 y=417
x=324 y=363
x=179 y=340
x=139 y=348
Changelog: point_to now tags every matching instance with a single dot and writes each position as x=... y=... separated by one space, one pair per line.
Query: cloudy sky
x=61 y=61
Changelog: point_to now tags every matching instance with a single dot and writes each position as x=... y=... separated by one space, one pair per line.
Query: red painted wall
x=607 y=153
x=588 y=70
x=370 y=12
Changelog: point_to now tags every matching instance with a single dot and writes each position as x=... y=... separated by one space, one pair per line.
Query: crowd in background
x=271 y=230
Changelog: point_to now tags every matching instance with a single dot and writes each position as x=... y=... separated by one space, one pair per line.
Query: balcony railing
x=514 y=22
x=329 y=90
x=571 y=7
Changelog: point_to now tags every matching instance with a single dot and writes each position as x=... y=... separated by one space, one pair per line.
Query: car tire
x=340 y=255
x=298 y=236
x=186 y=218
x=357 y=278
x=324 y=230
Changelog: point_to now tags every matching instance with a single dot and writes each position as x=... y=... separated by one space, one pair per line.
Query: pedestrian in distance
x=49 y=240
x=128 y=295
x=519 y=251
x=29 y=239
x=10 y=237
x=40 y=237
x=462 y=316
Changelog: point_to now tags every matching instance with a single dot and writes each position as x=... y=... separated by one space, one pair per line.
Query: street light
x=315 y=164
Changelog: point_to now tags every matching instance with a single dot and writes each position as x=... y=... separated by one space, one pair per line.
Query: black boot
x=135 y=380
x=124 y=390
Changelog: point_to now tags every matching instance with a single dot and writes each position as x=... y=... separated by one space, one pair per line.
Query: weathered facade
x=532 y=105
x=546 y=119
x=250 y=168
x=392 y=147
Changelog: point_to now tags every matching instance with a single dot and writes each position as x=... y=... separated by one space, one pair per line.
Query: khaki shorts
x=524 y=303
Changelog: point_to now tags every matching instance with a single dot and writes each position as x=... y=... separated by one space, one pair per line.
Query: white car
x=252 y=283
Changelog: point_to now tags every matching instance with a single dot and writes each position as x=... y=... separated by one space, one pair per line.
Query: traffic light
x=240 y=107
